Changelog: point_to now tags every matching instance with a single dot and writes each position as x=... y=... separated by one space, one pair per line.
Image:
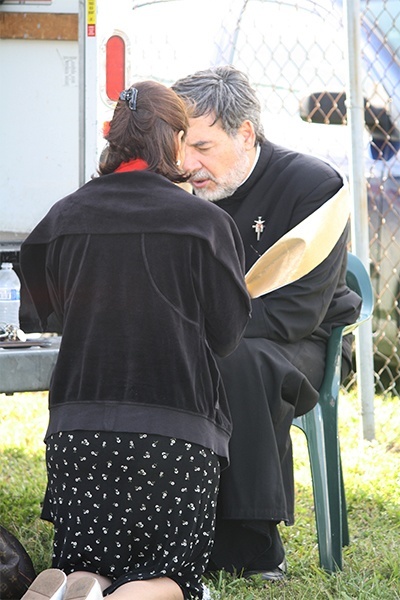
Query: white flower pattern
x=122 y=520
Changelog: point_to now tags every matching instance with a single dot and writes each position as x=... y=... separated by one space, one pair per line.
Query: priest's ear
x=247 y=131
x=180 y=151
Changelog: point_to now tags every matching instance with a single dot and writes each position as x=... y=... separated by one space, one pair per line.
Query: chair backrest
x=358 y=280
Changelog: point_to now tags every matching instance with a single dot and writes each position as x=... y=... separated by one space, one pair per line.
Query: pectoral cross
x=258 y=227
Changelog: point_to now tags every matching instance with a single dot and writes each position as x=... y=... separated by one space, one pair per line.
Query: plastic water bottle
x=10 y=287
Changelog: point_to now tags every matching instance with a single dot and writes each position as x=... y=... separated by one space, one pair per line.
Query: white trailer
x=39 y=67
x=62 y=65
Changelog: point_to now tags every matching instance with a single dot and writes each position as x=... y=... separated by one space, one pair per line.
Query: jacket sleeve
x=33 y=269
x=224 y=299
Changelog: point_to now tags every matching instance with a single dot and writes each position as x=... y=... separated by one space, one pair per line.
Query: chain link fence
x=381 y=49
x=294 y=52
x=295 y=55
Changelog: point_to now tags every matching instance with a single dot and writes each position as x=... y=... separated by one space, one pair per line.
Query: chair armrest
x=359 y=281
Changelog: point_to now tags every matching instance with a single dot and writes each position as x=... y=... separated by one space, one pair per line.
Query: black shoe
x=277 y=574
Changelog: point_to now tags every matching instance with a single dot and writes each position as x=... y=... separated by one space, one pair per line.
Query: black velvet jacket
x=148 y=283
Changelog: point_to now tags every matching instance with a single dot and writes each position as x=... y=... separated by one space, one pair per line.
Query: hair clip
x=130 y=96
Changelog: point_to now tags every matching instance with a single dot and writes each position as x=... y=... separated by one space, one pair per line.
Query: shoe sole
x=265 y=576
x=277 y=574
x=48 y=585
x=86 y=588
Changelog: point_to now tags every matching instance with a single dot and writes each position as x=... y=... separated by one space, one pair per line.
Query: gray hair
x=225 y=93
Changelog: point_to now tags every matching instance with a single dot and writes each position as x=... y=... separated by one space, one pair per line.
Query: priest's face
x=218 y=162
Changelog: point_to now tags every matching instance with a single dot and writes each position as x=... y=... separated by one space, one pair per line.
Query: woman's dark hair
x=145 y=125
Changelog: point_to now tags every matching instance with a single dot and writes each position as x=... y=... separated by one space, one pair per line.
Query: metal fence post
x=360 y=235
x=87 y=90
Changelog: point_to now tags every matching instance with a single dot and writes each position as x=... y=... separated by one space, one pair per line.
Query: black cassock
x=278 y=367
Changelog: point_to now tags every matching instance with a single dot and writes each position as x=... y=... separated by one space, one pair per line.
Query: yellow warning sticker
x=91 y=18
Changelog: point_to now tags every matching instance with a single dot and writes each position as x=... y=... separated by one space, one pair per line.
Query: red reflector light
x=115 y=67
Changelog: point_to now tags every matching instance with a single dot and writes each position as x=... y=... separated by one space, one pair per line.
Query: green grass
x=372 y=477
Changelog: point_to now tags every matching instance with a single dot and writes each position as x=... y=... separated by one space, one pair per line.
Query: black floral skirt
x=131 y=506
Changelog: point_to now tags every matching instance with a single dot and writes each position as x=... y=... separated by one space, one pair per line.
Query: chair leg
x=345 y=523
x=335 y=481
x=313 y=427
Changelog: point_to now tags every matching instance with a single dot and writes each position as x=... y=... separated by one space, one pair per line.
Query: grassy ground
x=372 y=477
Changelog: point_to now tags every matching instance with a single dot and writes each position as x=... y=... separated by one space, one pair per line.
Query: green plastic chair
x=320 y=426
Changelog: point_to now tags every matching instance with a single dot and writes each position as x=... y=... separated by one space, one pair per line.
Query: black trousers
x=267 y=384
x=241 y=546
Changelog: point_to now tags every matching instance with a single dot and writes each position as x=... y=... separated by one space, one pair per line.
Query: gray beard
x=227 y=185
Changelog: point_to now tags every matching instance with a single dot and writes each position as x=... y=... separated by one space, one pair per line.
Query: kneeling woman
x=147 y=282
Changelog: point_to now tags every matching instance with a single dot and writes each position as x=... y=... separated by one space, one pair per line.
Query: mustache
x=201 y=175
